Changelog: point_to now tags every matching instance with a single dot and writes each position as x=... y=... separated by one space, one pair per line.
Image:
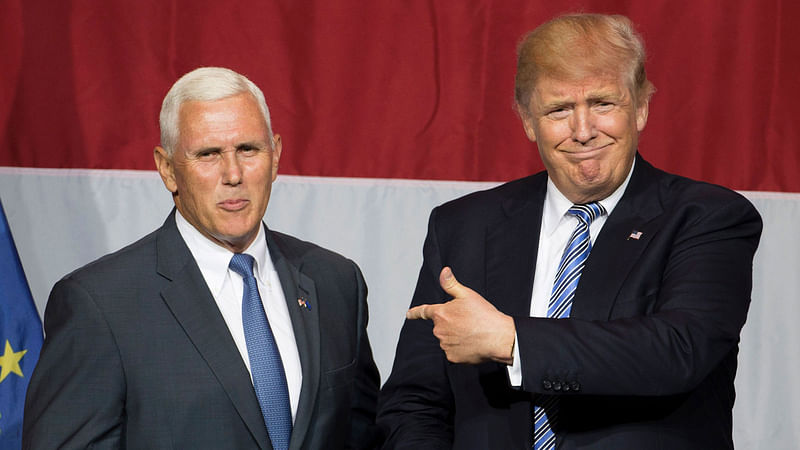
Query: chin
x=240 y=234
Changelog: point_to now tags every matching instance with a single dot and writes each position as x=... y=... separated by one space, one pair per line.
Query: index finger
x=420 y=312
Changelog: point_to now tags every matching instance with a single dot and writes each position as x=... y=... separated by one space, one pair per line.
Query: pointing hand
x=469 y=328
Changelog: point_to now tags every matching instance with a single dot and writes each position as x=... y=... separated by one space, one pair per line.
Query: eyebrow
x=549 y=106
x=593 y=97
x=240 y=146
x=605 y=95
x=252 y=144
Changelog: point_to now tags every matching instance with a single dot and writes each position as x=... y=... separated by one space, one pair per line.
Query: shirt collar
x=556 y=204
x=213 y=259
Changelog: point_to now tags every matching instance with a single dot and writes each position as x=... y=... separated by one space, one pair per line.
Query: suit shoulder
x=126 y=260
x=486 y=202
x=682 y=191
x=328 y=269
x=299 y=251
x=697 y=207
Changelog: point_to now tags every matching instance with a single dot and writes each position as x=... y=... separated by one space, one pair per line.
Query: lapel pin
x=635 y=235
x=303 y=303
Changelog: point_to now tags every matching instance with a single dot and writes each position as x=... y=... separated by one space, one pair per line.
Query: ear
x=276 y=154
x=641 y=115
x=527 y=121
x=165 y=168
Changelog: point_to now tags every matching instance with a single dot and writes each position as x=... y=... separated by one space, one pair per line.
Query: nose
x=583 y=126
x=231 y=168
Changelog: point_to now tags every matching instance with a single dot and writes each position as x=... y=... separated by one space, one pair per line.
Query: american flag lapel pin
x=635 y=235
x=303 y=303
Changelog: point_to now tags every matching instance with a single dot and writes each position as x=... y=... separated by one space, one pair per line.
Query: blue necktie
x=545 y=411
x=266 y=366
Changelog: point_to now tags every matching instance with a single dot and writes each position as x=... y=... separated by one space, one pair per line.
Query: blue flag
x=20 y=339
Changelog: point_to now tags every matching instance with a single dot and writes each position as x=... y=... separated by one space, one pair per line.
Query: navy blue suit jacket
x=647 y=358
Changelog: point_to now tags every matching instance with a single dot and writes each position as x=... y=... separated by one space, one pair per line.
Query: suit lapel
x=193 y=306
x=301 y=298
x=511 y=260
x=511 y=246
x=629 y=229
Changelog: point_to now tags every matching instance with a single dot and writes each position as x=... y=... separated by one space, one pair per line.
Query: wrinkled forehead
x=548 y=91
x=237 y=116
x=233 y=107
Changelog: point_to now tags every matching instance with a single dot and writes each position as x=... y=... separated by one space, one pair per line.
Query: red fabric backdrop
x=405 y=89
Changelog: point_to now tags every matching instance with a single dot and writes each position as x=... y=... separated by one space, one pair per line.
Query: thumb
x=450 y=285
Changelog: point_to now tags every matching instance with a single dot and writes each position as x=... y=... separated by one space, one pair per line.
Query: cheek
x=620 y=126
x=195 y=185
x=556 y=140
x=553 y=132
x=264 y=170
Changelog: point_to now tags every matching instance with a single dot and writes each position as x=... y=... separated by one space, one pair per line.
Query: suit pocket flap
x=342 y=375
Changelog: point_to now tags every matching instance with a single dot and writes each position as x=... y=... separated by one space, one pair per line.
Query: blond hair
x=577 y=46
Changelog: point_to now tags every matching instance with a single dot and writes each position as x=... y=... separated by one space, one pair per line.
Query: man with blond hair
x=599 y=303
x=213 y=331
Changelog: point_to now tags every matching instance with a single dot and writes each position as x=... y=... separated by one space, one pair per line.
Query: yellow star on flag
x=9 y=362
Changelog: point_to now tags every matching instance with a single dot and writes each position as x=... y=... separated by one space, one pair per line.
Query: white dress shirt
x=557 y=227
x=227 y=287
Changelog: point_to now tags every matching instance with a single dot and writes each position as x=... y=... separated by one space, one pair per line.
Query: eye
x=603 y=106
x=248 y=150
x=206 y=155
x=558 y=113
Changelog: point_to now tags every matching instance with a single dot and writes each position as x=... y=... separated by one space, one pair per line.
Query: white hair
x=205 y=84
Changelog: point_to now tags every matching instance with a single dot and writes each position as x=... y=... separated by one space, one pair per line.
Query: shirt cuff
x=515 y=369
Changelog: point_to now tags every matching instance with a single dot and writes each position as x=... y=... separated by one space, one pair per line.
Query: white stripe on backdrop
x=62 y=219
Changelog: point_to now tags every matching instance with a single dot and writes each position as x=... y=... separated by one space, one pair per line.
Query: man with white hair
x=213 y=331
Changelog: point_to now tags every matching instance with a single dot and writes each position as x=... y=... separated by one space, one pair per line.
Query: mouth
x=233 y=205
x=586 y=152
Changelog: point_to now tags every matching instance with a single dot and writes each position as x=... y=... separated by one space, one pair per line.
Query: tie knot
x=242 y=263
x=588 y=212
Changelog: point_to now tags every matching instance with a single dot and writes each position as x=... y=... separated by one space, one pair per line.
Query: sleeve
x=76 y=397
x=416 y=402
x=363 y=433
x=679 y=329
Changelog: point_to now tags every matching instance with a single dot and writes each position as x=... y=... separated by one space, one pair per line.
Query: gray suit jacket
x=137 y=355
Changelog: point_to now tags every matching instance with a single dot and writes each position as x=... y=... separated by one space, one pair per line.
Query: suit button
x=565 y=387
x=575 y=386
x=546 y=385
x=557 y=386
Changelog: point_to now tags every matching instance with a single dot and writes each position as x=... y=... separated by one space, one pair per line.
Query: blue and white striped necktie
x=545 y=411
